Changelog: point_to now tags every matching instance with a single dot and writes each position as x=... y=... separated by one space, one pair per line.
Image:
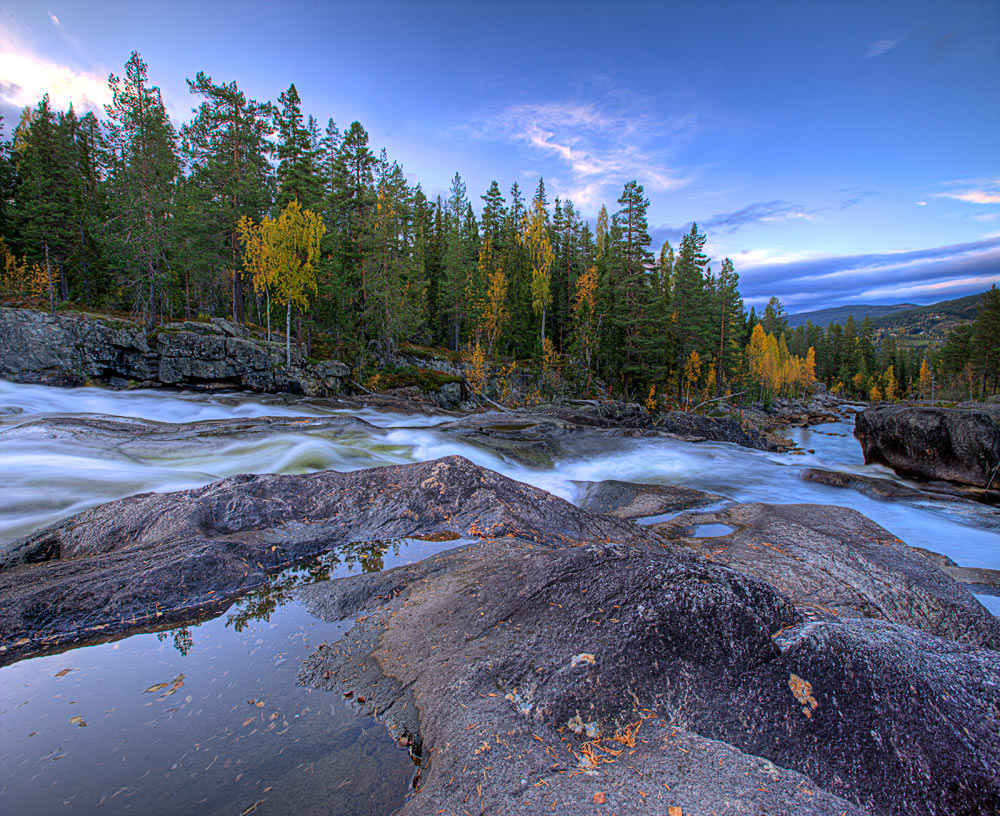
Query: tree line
x=253 y=207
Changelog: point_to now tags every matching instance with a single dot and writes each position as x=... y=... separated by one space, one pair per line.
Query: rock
x=160 y=556
x=528 y=437
x=696 y=685
x=961 y=503
x=631 y=501
x=958 y=445
x=833 y=561
x=228 y=328
x=719 y=429
x=868 y=485
x=449 y=395
x=71 y=349
x=332 y=369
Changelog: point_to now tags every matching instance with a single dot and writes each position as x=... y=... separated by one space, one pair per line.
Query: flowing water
x=207 y=718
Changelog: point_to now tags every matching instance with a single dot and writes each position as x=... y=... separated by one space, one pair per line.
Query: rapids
x=47 y=477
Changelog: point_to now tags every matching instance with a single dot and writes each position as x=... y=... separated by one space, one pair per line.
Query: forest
x=254 y=211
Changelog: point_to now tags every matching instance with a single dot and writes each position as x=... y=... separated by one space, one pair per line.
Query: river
x=207 y=718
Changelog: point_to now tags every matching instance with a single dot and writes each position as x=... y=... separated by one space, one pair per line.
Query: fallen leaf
x=673 y=811
x=62 y=672
x=600 y=798
x=78 y=720
x=157 y=687
x=178 y=682
x=247 y=722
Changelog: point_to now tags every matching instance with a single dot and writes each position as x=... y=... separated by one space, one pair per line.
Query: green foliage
x=129 y=216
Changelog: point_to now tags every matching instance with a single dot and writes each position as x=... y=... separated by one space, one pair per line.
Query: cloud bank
x=922 y=276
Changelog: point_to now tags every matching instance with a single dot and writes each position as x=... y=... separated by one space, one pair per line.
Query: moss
x=431 y=353
x=426 y=379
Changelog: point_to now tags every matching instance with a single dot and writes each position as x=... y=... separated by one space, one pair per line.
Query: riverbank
x=74 y=349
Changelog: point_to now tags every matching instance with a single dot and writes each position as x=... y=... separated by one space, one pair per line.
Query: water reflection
x=258 y=604
x=206 y=717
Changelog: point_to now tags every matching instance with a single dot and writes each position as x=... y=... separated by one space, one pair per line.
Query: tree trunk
x=48 y=274
x=986 y=373
x=268 y=292
x=288 y=335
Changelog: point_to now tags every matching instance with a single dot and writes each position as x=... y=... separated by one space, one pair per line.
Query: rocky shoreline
x=800 y=659
x=72 y=349
x=959 y=445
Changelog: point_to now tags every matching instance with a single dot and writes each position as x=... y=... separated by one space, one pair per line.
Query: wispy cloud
x=26 y=76
x=760 y=212
x=974 y=196
x=933 y=274
x=971 y=191
x=879 y=47
x=598 y=144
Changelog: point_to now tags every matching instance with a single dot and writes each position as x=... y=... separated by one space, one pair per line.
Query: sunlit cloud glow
x=25 y=77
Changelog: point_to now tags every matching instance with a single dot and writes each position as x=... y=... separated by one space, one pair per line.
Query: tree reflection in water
x=258 y=604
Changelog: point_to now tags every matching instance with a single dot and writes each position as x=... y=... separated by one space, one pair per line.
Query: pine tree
x=458 y=260
x=727 y=315
x=227 y=150
x=395 y=286
x=144 y=169
x=986 y=331
x=688 y=301
x=774 y=319
x=298 y=154
x=638 y=316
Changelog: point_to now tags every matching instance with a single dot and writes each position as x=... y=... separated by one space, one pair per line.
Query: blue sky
x=836 y=151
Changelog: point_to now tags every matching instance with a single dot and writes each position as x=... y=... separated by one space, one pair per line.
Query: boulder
x=954 y=444
x=835 y=562
x=161 y=556
x=632 y=501
x=532 y=678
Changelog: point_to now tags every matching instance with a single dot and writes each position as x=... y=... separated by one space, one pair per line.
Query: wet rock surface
x=629 y=500
x=568 y=657
x=872 y=486
x=535 y=437
x=157 y=556
x=833 y=561
x=954 y=444
x=960 y=502
x=648 y=681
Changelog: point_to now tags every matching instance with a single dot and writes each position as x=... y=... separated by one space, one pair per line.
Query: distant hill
x=839 y=314
x=934 y=321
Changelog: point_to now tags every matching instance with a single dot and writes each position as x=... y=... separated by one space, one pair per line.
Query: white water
x=46 y=476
